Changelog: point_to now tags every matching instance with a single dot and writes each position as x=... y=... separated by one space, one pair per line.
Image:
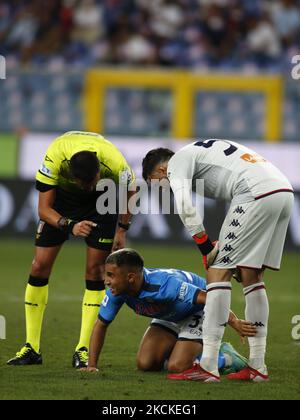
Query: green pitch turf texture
x=118 y=378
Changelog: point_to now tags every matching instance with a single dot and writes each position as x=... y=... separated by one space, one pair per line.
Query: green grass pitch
x=118 y=379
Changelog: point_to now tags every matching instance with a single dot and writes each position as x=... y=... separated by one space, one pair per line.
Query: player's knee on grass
x=183 y=355
x=149 y=364
x=179 y=365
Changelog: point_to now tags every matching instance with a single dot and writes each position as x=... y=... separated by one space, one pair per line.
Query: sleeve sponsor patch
x=183 y=291
x=45 y=170
x=105 y=301
x=126 y=177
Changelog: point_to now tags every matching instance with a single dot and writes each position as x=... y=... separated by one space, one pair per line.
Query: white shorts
x=253 y=234
x=188 y=329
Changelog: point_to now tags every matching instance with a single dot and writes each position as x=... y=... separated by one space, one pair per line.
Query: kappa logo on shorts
x=228 y=248
x=226 y=260
x=239 y=210
x=235 y=223
x=231 y=235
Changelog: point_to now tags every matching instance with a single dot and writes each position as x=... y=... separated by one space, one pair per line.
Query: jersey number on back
x=209 y=143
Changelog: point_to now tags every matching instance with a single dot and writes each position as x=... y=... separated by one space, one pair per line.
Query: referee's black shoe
x=26 y=356
x=80 y=358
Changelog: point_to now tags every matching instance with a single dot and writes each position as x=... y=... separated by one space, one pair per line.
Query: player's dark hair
x=154 y=158
x=85 y=166
x=126 y=258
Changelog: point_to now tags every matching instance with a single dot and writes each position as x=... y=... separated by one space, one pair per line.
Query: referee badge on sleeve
x=46 y=171
x=125 y=177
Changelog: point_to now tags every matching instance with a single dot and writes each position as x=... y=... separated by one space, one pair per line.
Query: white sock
x=216 y=317
x=257 y=312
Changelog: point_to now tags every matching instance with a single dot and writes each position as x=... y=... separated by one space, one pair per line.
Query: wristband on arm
x=66 y=225
x=204 y=244
x=124 y=226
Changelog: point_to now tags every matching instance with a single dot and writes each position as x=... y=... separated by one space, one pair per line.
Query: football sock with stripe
x=36 y=298
x=217 y=310
x=94 y=294
x=257 y=312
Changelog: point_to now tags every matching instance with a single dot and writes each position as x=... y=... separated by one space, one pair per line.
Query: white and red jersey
x=230 y=172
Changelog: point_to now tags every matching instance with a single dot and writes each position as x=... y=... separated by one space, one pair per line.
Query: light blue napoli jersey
x=166 y=294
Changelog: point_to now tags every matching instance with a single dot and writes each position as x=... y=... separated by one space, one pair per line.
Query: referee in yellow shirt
x=73 y=165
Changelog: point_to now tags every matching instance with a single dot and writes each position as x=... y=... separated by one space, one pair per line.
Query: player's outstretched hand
x=209 y=259
x=89 y=369
x=83 y=228
x=245 y=328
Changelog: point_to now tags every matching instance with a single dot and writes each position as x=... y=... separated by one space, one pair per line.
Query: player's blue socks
x=221 y=361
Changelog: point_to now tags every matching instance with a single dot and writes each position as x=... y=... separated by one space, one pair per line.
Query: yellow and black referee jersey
x=55 y=169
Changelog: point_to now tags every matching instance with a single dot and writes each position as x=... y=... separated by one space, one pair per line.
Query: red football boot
x=249 y=374
x=196 y=373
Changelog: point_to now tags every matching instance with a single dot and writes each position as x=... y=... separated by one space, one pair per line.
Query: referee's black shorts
x=78 y=208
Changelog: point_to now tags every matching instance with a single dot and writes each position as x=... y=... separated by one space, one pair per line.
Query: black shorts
x=78 y=209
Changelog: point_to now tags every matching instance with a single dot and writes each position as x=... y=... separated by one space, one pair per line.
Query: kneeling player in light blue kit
x=175 y=300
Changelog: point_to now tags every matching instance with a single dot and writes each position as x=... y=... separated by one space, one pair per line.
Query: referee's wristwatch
x=66 y=225
x=124 y=226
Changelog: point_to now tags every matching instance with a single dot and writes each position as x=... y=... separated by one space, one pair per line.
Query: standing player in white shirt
x=251 y=239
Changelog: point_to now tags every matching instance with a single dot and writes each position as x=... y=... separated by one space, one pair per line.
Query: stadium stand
x=222 y=34
x=50 y=45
